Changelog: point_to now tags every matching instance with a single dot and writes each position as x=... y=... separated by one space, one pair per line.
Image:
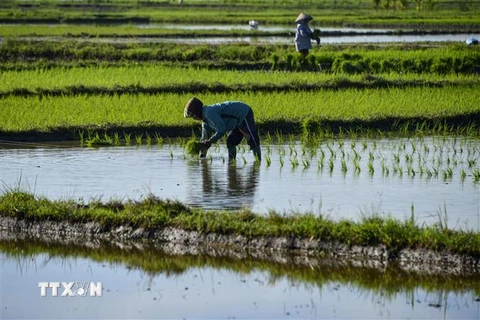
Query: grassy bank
x=153 y=213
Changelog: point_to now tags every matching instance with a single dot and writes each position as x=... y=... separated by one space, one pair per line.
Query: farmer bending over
x=232 y=116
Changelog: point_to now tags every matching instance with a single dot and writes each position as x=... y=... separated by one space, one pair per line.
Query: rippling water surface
x=431 y=179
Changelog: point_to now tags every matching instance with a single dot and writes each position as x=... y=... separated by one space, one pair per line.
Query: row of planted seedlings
x=429 y=157
x=432 y=157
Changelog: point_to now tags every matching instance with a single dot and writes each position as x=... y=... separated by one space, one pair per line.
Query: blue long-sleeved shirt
x=303 y=37
x=222 y=117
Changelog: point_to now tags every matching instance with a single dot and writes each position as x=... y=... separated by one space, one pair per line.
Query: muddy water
x=152 y=284
x=429 y=179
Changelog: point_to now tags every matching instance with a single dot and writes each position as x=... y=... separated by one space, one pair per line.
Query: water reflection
x=161 y=284
x=230 y=186
x=361 y=38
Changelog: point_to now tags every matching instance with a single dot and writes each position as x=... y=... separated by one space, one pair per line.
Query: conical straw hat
x=302 y=16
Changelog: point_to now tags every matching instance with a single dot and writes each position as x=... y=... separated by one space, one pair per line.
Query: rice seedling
x=116 y=139
x=356 y=165
x=322 y=155
x=364 y=145
x=268 y=160
x=428 y=172
x=332 y=152
x=400 y=172
x=371 y=168
x=420 y=171
x=471 y=162
x=463 y=175
x=139 y=139
x=320 y=164
x=385 y=169
x=97 y=141
x=294 y=162
x=278 y=137
x=306 y=164
x=268 y=140
x=331 y=165
x=447 y=174
x=426 y=149
x=411 y=171
x=128 y=138
x=344 y=166
x=148 y=139
x=476 y=175
x=81 y=137
x=396 y=158
x=158 y=138
x=269 y=151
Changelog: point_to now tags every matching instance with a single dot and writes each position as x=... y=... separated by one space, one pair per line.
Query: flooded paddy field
x=435 y=180
x=151 y=283
x=351 y=39
x=264 y=34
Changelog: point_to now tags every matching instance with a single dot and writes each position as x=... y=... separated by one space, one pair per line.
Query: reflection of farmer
x=239 y=191
x=232 y=116
x=304 y=34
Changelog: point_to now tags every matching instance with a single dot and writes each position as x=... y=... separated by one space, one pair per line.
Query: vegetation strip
x=423 y=14
x=153 y=214
x=196 y=87
x=82 y=31
x=441 y=59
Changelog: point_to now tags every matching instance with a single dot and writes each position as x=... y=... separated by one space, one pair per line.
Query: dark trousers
x=247 y=129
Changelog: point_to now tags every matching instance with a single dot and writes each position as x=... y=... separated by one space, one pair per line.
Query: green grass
x=155 y=213
x=47 y=113
x=440 y=59
x=329 y=12
x=156 y=78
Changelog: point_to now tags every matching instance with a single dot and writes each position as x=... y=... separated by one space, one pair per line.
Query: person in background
x=304 y=35
x=234 y=117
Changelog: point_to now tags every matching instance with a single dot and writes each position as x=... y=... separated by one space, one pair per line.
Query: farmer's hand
x=205 y=146
x=316 y=35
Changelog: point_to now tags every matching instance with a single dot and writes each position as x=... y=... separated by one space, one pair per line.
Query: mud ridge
x=179 y=241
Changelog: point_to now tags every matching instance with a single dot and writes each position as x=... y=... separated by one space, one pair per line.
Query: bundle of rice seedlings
x=193 y=147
